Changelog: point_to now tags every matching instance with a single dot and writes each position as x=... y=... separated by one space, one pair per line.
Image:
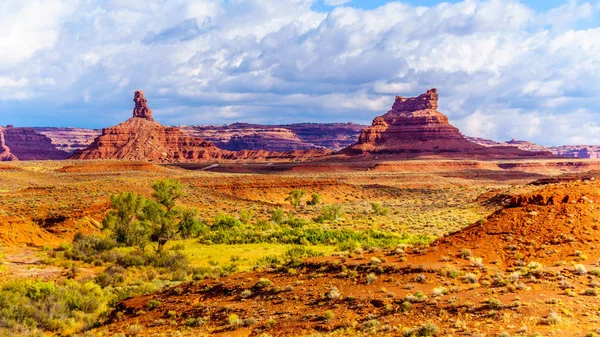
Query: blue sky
x=504 y=68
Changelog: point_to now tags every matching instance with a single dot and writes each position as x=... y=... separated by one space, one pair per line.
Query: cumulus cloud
x=503 y=69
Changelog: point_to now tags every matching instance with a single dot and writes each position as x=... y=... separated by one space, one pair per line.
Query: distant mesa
x=567 y=151
x=28 y=144
x=414 y=128
x=278 y=138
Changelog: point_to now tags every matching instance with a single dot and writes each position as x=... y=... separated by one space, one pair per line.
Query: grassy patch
x=244 y=255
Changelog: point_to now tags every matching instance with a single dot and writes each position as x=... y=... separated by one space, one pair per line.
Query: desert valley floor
x=418 y=247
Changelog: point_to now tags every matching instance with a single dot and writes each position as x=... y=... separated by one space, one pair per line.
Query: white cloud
x=337 y=2
x=503 y=70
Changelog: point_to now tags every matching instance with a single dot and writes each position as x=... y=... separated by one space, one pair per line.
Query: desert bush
x=225 y=221
x=351 y=246
x=190 y=225
x=378 y=209
x=330 y=213
x=553 y=319
x=333 y=293
x=58 y=307
x=246 y=215
x=295 y=197
x=580 y=269
x=277 y=216
x=315 y=199
x=371 y=278
x=263 y=283
x=328 y=315
x=425 y=330
x=466 y=254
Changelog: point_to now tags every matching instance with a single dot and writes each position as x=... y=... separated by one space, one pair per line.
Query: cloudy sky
x=504 y=69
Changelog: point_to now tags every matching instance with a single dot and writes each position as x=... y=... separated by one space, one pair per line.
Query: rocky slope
x=27 y=144
x=568 y=151
x=5 y=154
x=142 y=138
x=414 y=128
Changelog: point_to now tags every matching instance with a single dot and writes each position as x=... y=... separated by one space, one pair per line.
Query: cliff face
x=415 y=128
x=27 y=144
x=5 y=154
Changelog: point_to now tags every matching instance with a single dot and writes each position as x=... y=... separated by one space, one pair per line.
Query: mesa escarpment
x=142 y=138
x=27 y=144
x=5 y=154
x=414 y=128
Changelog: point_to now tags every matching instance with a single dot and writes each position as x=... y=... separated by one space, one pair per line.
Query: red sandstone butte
x=414 y=128
x=142 y=138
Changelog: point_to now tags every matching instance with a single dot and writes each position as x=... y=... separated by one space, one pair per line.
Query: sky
x=504 y=69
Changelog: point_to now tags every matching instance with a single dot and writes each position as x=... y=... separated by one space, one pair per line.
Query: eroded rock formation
x=415 y=128
x=141 y=109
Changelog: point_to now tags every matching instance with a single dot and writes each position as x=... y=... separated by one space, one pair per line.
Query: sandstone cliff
x=27 y=144
x=414 y=128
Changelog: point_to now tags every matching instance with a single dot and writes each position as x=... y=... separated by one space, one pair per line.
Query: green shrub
x=379 y=210
x=315 y=199
x=225 y=221
x=278 y=216
x=295 y=197
x=330 y=213
x=263 y=283
x=56 y=307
